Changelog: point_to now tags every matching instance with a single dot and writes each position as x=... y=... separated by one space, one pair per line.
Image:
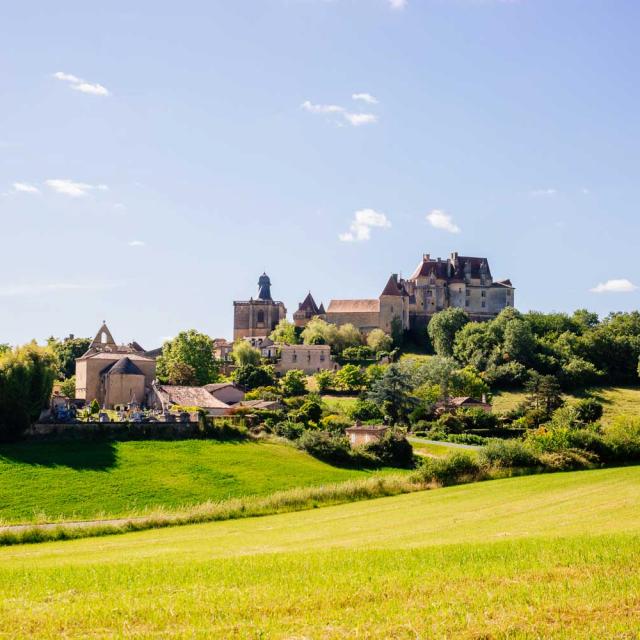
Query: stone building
x=113 y=374
x=436 y=284
x=309 y=358
x=257 y=317
x=307 y=310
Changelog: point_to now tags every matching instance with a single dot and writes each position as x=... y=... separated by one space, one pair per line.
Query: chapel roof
x=354 y=306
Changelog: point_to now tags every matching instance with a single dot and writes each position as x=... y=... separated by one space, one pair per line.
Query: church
x=404 y=304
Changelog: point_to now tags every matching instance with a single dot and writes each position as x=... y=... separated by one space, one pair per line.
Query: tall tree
x=285 y=333
x=190 y=348
x=392 y=393
x=243 y=354
x=65 y=353
x=379 y=341
x=442 y=329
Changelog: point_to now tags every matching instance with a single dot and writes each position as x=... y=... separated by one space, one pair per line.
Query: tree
x=392 y=393
x=325 y=380
x=350 y=378
x=467 y=382
x=348 y=336
x=373 y=373
x=518 y=342
x=66 y=352
x=294 y=383
x=318 y=331
x=68 y=387
x=243 y=354
x=544 y=394
x=443 y=327
x=26 y=380
x=397 y=332
x=285 y=333
x=250 y=376
x=188 y=348
x=379 y=341
x=181 y=373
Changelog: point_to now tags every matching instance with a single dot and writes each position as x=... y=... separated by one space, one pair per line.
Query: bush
x=357 y=353
x=466 y=438
x=508 y=454
x=477 y=419
x=588 y=410
x=309 y=411
x=449 y=423
x=623 y=438
x=263 y=393
x=294 y=383
x=325 y=381
x=512 y=374
x=454 y=469
x=393 y=450
x=250 y=376
x=335 y=424
x=327 y=447
x=289 y=430
x=567 y=460
x=364 y=410
x=224 y=430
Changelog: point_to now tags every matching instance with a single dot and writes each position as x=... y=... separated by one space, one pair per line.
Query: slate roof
x=392 y=288
x=309 y=305
x=188 y=397
x=124 y=367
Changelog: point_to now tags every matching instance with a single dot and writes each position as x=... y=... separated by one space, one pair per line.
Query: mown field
x=616 y=400
x=551 y=556
x=85 y=480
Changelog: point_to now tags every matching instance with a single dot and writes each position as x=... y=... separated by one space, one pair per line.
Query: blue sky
x=156 y=157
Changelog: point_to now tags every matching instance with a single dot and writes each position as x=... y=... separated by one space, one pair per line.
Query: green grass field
x=616 y=400
x=549 y=556
x=339 y=404
x=85 y=480
x=440 y=449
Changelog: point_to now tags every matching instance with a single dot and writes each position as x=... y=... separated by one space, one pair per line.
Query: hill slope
x=495 y=559
x=94 y=479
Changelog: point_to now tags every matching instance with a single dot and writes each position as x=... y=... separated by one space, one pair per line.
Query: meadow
x=532 y=557
x=615 y=400
x=86 y=480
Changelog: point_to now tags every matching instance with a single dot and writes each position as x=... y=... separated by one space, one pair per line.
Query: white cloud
x=398 y=4
x=621 y=285
x=72 y=188
x=358 y=119
x=25 y=187
x=78 y=84
x=538 y=193
x=137 y=243
x=365 y=97
x=363 y=221
x=321 y=108
x=441 y=220
x=354 y=119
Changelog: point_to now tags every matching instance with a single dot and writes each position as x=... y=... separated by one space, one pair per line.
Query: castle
x=404 y=304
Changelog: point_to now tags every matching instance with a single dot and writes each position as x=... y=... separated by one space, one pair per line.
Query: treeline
x=579 y=350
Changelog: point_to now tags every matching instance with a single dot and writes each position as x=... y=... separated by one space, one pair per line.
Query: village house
x=309 y=358
x=163 y=397
x=361 y=434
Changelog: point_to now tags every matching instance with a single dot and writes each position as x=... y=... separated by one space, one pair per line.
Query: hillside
x=538 y=556
x=45 y=481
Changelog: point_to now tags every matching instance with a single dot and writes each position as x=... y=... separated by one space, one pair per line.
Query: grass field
x=45 y=481
x=440 y=449
x=339 y=404
x=616 y=400
x=501 y=559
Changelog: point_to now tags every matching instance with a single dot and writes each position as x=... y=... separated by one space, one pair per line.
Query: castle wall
x=365 y=321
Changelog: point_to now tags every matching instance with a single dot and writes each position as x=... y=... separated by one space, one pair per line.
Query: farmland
x=539 y=556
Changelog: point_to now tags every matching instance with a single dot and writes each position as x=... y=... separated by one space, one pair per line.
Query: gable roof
x=308 y=304
x=354 y=306
x=108 y=338
x=188 y=396
x=392 y=287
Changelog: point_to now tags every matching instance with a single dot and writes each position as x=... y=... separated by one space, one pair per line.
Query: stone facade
x=257 y=317
x=114 y=374
x=309 y=358
x=307 y=310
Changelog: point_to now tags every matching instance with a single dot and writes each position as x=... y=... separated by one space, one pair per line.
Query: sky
x=157 y=157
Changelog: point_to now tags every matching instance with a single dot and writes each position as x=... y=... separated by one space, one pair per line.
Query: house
x=265 y=405
x=113 y=374
x=452 y=405
x=222 y=350
x=227 y=392
x=165 y=396
x=309 y=358
x=361 y=434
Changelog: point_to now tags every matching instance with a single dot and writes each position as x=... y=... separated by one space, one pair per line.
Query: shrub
x=326 y=447
x=456 y=468
x=250 y=376
x=357 y=353
x=508 y=454
x=335 y=423
x=309 y=411
x=449 y=423
x=289 y=430
x=623 y=437
x=393 y=450
x=567 y=460
x=224 y=430
x=294 y=383
x=588 y=410
x=263 y=393
x=364 y=410
x=511 y=374
x=475 y=418
x=325 y=381
x=466 y=438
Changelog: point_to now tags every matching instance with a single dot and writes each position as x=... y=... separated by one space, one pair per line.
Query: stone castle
x=404 y=304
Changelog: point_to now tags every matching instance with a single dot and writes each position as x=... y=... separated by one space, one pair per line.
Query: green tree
x=318 y=331
x=65 y=352
x=443 y=327
x=348 y=336
x=26 y=379
x=181 y=373
x=350 y=378
x=392 y=393
x=373 y=373
x=294 y=383
x=397 y=332
x=285 y=333
x=68 y=387
x=243 y=354
x=325 y=380
x=543 y=394
x=251 y=376
x=189 y=348
x=379 y=341
x=467 y=382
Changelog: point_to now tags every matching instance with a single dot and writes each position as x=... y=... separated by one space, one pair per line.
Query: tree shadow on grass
x=94 y=456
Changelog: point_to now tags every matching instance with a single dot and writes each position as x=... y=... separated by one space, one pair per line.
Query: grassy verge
x=279 y=502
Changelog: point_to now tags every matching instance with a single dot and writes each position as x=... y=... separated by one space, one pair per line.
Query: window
x=484 y=304
x=322 y=357
x=484 y=294
x=466 y=303
x=429 y=293
x=468 y=293
x=260 y=317
x=294 y=358
x=459 y=289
